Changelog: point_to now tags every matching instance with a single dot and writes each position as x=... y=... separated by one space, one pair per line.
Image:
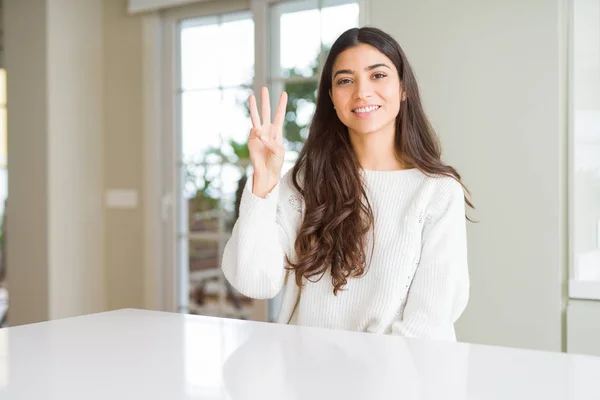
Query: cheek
x=392 y=98
x=337 y=97
x=392 y=94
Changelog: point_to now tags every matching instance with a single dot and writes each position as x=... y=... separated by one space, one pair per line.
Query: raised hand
x=266 y=143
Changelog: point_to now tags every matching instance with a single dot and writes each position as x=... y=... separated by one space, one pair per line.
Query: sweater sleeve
x=439 y=291
x=254 y=256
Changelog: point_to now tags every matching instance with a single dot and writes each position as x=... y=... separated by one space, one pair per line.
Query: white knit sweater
x=417 y=284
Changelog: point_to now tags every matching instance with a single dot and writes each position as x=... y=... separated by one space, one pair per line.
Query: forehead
x=359 y=57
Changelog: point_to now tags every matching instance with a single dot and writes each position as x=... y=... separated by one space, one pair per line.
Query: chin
x=365 y=129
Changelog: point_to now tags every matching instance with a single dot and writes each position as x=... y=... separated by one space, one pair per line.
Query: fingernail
x=264 y=138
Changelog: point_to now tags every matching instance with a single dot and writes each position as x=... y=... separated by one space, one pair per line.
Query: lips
x=366 y=109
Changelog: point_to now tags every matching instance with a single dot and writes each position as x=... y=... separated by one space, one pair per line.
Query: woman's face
x=365 y=90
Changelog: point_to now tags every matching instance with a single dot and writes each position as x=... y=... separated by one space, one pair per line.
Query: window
x=216 y=63
x=215 y=79
x=585 y=150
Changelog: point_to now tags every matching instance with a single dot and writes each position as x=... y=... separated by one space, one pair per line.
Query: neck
x=376 y=150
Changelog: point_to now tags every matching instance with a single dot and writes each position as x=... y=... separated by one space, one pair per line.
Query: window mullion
x=260 y=13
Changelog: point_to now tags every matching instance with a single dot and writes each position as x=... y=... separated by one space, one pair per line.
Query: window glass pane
x=201 y=116
x=201 y=121
x=336 y=20
x=203 y=213
x=236 y=119
x=209 y=292
x=236 y=52
x=210 y=188
x=199 y=50
x=210 y=63
x=202 y=188
x=301 y=106
x=215 y=132
x=300 y=38
x=204 y=255
x=232 y=180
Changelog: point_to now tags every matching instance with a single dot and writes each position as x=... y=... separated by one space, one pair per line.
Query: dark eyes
x=345 y=81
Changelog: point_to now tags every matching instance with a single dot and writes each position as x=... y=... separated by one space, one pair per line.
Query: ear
x=403 y=96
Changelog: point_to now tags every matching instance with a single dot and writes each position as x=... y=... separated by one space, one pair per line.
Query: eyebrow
x=369 y=68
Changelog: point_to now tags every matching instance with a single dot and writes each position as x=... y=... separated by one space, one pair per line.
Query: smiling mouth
x=365 y=110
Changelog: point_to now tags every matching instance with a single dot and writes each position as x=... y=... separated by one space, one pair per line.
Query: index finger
x=253 y=111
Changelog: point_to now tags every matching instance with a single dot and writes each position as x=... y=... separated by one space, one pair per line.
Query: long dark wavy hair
x=338 y=215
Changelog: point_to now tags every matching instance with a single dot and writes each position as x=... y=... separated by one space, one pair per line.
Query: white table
x=133 y=354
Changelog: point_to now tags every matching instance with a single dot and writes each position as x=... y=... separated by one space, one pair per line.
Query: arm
x=254 y=257
x=440 y=288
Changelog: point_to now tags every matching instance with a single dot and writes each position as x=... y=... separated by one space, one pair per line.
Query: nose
x=364 y=89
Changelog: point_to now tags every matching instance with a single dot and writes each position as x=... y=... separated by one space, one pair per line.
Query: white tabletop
x=133 y=354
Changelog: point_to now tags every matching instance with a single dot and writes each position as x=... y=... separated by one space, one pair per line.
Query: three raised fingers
x=266 y=110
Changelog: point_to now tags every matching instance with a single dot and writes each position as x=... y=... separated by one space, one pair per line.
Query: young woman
x=367 y=232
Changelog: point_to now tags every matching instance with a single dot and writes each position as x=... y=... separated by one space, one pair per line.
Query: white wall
x=27 y=221
x=75 y=130
x=55 y=244
x=123 y=149
x=583 y=327
x=492 y=76
x=586 y=132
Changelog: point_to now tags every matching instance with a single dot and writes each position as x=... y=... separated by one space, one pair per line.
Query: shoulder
x=446 y=189
x=448 y=197
x=440 y=192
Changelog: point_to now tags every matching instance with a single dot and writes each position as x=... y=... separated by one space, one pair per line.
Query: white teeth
x=366 y=109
